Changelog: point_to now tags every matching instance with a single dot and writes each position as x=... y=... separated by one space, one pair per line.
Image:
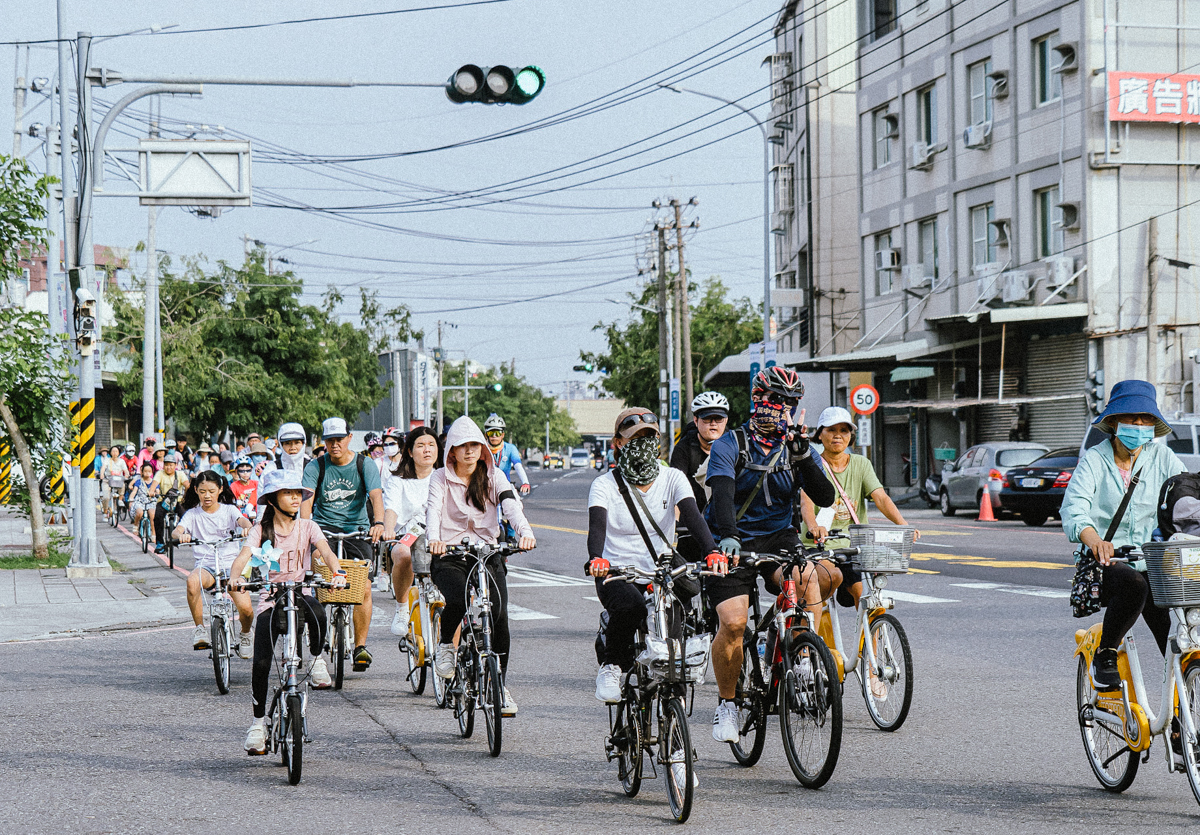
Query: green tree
x=720 y=326
x=34 y=378
x=241 y=351
x=525 y=408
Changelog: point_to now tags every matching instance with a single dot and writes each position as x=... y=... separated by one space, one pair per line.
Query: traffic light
x=495 y=85
x=497 y=387
x=586 y=367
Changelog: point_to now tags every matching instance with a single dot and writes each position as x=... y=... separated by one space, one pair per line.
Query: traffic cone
x=985 y=507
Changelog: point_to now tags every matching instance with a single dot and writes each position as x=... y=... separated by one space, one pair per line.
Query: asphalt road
x=125 y=732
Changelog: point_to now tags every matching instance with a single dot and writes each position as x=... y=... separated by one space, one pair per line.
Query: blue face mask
x=1134 y=436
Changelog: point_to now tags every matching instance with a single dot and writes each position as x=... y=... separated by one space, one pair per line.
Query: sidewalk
x=43 y=603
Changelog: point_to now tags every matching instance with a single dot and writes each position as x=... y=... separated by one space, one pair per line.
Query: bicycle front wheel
x=337 y=646
x=293 y=739
x=219 y=639
x=1191 y=753
x=441 y=693
x=810 y=709
x=144 y=535
x=492 y=697
x=464 y=698
x=1112 y=762
x=751 y=707
x=887 y=689
x=675 y=748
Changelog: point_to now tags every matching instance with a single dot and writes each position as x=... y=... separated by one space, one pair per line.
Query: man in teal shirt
x=343 y=482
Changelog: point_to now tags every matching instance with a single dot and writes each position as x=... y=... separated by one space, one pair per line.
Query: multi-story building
x=1001 y=221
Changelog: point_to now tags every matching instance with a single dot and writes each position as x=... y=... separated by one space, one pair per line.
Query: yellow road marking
x=564 y=530
x=922 y=571
x=988 y=562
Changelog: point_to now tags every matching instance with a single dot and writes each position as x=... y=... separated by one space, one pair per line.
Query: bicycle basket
x=357 y=575
x=1174 y=572
x=882 y=550
x=657 y=659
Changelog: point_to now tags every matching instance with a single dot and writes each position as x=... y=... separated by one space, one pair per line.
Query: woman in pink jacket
x=466 y=498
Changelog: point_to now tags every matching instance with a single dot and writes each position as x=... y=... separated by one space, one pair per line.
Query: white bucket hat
x=275 y=480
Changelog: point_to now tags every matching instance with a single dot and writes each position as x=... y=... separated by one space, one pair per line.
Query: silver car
x=981 y=467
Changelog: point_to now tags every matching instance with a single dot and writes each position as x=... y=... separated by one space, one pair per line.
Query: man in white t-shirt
x=615 y=538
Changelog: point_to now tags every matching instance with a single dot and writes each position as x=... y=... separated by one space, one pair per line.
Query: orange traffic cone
x=985 y=507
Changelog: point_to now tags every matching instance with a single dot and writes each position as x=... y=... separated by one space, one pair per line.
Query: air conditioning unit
x=914 y=276
x=978 y=136
x=1059 y=269
x=887 y=259
x=987 y=277
x=921 y=156
x=1015 y=286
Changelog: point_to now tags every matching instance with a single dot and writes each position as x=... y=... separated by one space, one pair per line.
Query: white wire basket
x=1174 y=572
x=882 y=549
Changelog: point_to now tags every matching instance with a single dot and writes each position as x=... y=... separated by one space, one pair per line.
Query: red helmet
x=393 y=433
x=779 y=380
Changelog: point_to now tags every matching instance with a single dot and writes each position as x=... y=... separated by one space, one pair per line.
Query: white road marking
x=909 y=597
x=1031 y=591
x=925 y=544
x=590 y=597
x=533 y=578
x=516 y=612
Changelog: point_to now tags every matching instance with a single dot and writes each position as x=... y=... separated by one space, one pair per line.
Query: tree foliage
x=525 y=408
x=720 y=327
x=240 y=349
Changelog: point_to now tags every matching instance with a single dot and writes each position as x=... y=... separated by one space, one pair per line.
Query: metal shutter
x=1057 y=365
x=995 y=422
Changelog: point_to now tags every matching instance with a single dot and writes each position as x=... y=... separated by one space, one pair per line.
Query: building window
x=1047 y=83
x=983 y=247
x=882 y=14
x=927 y=241
x=120 y=429
x=980 y=105
x=1049 y=221
x=883 y=271
x=927 y=116
x=883 y=127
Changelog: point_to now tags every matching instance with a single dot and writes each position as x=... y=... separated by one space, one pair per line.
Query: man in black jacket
x=710 y=413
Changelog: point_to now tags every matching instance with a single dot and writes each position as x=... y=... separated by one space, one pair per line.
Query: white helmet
x=707 y=401
x=494 y=421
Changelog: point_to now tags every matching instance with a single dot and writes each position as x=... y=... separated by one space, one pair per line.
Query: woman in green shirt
x=855 y=481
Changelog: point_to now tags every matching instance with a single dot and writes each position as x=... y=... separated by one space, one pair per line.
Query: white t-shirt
x=623 y=545
x=216 y=525
x=407 y=497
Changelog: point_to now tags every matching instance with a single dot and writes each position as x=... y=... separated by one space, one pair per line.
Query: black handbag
x=1088 y=585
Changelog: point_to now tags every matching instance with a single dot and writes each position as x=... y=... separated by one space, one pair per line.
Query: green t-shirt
x=342 y=503
x=858 y=481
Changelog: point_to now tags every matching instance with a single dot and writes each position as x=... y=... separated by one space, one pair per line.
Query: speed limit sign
x=864 y=399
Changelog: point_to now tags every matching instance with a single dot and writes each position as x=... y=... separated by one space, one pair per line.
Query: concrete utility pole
x=19 y=100
x=664 y=337
x=685 y=320
x=1152 y=302
x=441 y=362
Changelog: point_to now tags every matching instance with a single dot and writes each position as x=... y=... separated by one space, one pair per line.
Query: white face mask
x=390 y=449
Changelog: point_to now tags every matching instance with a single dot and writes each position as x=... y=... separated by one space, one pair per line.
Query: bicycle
x=145 y=530
x=425 y=604
x=883 y=664
x=116 y=502
x=477 y=683
x=656 y=690
x=170 y=506
x=221 y=612
x=286 y=719
x=1118 y=727
x=341 y=621
x=787 y=670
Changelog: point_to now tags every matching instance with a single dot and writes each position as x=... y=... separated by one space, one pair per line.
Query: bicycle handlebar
x=469 y=549
x=361 y=533
x=310 y=581
x=179 y=543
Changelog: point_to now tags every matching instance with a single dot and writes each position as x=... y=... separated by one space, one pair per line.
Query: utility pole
x=441 y=363
x=664 y=338
x=1152 y=302
x=685 y=320
x=19 y=100
x=150 y=327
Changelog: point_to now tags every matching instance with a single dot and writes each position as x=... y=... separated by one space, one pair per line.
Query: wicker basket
x=1174 y=572
x=882 y=550
x=357 y=575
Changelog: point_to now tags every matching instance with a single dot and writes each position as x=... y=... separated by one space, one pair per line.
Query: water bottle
x=762 y=651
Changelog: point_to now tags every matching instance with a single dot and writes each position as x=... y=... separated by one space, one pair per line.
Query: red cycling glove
x=597 y=565
x=717 y=561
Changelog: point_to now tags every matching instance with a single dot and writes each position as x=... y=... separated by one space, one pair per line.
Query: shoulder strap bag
x=687 y=586
x=1088 y=584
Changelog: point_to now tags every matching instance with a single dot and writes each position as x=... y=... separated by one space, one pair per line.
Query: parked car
x=983 y=467
x=1184 y=440
x=580 y=458
x=1035 y=492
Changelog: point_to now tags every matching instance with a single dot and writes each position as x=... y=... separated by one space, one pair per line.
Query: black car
x=1035 y=492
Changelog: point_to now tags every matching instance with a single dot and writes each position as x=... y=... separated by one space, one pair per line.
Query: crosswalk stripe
x=1031 y=591
x=532 y=577
x=909 y=597
x=516 y=612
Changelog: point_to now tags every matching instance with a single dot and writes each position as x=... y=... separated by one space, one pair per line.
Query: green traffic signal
x=497 y=387
x=495 y=85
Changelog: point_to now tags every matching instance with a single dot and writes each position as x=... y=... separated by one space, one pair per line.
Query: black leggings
x=160 y=519
x=450 y=576
x=1125 y=594
x=265 y=635
x=627 y=610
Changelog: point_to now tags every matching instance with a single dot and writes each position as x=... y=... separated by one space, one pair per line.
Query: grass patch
x=27 y=560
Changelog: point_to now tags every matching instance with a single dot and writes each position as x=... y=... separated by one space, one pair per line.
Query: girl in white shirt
x=405 y=494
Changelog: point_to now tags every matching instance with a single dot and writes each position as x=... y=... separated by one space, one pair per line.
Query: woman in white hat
x=855 y=481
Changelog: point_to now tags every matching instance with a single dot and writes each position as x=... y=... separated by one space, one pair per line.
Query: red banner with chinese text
x=1153 y=97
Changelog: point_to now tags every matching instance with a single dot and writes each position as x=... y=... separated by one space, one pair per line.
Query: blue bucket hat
x=1132 y=397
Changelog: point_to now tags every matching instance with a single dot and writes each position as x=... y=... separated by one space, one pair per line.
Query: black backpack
x=1174 y=489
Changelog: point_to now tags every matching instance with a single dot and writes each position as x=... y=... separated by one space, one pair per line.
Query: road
x=125 y=732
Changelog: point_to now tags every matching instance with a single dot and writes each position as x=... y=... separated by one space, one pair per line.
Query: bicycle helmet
x=243 y=461
x=710 y=401
x=778 y=380
x=373 y=439
x=393 y=433
x=494 y=421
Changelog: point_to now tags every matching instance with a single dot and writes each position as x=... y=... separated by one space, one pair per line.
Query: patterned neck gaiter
x=768 y=422
x=638 y=460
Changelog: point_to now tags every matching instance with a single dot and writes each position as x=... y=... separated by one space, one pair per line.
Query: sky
x=521 y=243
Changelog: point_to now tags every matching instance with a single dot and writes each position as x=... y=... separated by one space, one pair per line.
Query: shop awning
x=870 y=357
x=964 y=402
x=911 y=372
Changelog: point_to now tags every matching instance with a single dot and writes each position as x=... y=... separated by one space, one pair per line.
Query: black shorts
x=850 y=576
x=353 y=549
x=742 y=581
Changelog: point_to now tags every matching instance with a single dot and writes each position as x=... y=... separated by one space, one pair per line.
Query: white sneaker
x=678 y=769
x=256 y=739
x=319 y=674
x=509 y=708
x=725 y=728
x=443 y=660
x=200 y=637
x=244 y=648
x=401 y=620
x=608 y=684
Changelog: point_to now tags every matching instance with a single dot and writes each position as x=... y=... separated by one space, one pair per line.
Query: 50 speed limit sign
x=864 y=399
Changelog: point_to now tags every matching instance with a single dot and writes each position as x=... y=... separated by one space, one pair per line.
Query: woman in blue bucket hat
x=1099 y=483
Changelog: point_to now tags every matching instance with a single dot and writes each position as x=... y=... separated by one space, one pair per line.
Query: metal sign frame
x=194 y=172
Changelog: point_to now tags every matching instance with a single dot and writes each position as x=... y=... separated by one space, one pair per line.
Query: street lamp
x=766 y=201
